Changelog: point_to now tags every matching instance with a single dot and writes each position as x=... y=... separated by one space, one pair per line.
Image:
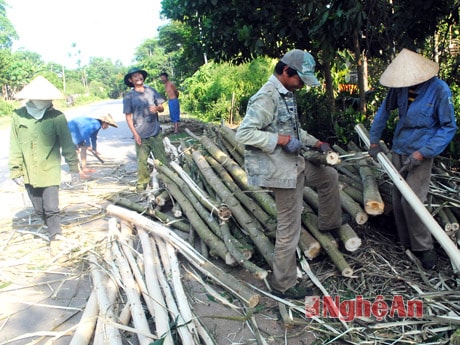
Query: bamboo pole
x=438 y=233
x=225 y=280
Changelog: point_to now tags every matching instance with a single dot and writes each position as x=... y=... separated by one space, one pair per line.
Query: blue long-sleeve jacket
x=427 y=125
x=85 y=129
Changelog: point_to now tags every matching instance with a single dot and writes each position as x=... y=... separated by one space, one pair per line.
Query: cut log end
x=353 y=244
x=374 y=208
x=361 y=218
x=332 y=158
x=347 y=272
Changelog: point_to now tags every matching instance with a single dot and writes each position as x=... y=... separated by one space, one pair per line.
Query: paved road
x=111 y=141
x=36 y=296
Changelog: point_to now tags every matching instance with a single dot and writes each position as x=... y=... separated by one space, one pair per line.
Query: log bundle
x=236 y=222
x=224 y=218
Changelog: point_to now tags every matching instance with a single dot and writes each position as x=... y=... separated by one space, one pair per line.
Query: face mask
x=37 y=107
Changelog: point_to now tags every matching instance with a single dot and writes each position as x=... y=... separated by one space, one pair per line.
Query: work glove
x=283 y=139
x=374 y=150
x=19 y=181
x=294 y=145
x=410 y=163
x=323 y=147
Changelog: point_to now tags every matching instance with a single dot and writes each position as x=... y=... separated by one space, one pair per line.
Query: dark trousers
x=289 y=205
x=45 y=201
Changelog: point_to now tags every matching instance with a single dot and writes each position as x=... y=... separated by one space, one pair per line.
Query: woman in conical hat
x=426 y=125
x=39 y=135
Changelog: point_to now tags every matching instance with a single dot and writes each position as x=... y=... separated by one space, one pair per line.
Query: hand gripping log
x=438 y=233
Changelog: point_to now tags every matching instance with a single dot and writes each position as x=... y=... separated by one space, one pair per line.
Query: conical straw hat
x=107 y=118
x=408 y=69
x=39 y=88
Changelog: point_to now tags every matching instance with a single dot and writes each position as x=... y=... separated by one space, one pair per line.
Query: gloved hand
x=294 y=145
x=410 y=163
x=74 y=178
x=374 y=150
x=19 y=181
x=323 y=147
x=283 y=139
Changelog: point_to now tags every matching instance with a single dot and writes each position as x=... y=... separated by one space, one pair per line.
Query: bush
x=220 y=92
x=7 y=107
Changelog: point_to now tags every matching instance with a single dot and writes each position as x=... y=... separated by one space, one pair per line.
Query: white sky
x=100 y=28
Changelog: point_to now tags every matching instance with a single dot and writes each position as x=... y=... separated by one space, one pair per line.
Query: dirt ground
x=43 y=301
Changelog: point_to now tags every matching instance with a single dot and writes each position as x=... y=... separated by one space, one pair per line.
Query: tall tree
x=238 y=30
x=7 y=32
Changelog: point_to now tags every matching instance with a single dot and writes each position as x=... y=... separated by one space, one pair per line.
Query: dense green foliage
x=219 y=53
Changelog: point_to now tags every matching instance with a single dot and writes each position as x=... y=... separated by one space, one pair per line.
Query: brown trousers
x=412 y=232
x=289 y=205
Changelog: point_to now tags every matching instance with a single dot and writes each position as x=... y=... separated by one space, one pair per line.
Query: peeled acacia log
x=227 y=281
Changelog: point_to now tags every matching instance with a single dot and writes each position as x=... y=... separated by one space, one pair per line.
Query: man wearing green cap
x=141 y=106
x=273 y=139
